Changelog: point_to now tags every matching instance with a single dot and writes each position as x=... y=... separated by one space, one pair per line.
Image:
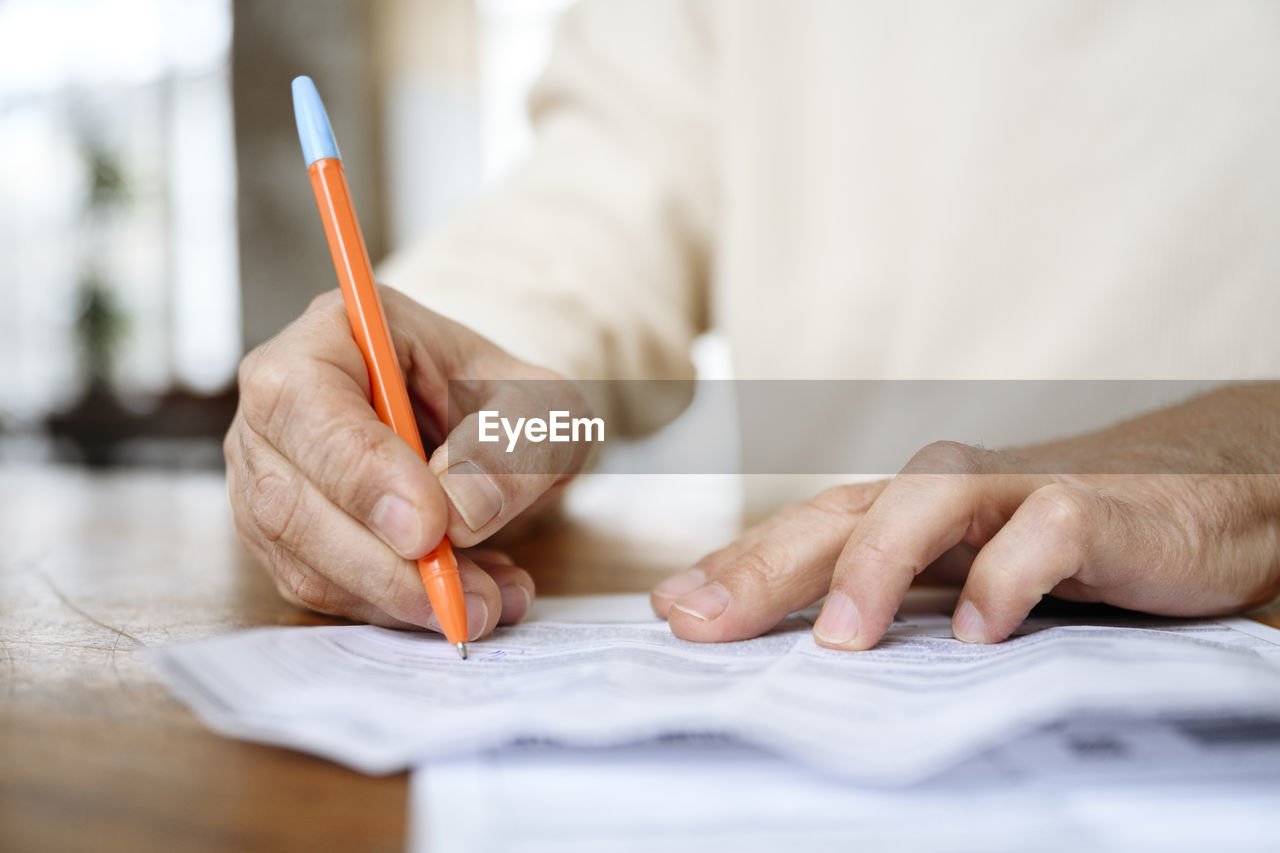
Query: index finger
x=939 y=501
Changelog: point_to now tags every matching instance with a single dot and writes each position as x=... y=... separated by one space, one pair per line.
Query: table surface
x=94 y=568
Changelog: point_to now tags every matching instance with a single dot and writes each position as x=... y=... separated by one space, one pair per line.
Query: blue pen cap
x=313 y=122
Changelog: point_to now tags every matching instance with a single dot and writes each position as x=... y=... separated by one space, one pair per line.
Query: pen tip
x=462 y=650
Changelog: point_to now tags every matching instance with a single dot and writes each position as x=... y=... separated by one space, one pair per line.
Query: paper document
x=1096 y=784
x=604 y=671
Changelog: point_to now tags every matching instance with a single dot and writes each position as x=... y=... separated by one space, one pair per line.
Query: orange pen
x=439 y=569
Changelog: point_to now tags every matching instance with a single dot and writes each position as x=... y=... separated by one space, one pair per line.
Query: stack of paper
x=606 y=672
x=1096 y=784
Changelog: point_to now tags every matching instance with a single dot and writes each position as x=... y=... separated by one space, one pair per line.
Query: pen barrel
x=364 y=305
x=439 y=569
x=439 y=572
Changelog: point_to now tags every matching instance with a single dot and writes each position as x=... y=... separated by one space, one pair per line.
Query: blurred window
x=117 y=193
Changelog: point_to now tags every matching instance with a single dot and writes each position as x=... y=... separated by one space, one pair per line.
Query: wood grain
x=94 y=569
x=95 y=753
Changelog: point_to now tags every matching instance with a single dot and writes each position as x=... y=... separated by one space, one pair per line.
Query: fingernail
x=477 y=615
x=474 y=493
x=397 y=524
x=516 y=601
x=839 y=620
x=705 y=603
x=681 y=584
x=968 y=625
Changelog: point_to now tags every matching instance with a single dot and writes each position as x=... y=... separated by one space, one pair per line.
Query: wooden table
x=95 y=753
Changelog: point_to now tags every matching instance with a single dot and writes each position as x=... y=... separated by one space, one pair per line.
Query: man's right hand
x=337 y=507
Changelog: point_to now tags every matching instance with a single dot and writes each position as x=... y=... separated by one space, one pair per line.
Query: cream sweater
x=907 y=189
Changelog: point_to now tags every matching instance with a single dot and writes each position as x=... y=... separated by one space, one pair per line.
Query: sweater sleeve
x=592 y=258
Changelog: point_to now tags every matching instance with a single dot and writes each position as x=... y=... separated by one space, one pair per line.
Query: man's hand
x=1179 y=544
x=337 y=507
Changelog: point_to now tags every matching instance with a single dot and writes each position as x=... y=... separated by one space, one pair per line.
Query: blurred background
x=155 y=218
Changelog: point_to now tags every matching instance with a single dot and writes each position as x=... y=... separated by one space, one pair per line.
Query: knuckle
x=948 y=457
x=839 y=502
x=354 y=466
x=1061 y=508
x=759 y=570
x=386 y=592
x=265 y=383
x=249 y=363
x=712 y=562
x=1204 y=508
x=232 y=452
x=249 y=541
x=231 y=446
x=305 y=588
x=283 y=588
x=870 y=550
x=389 y=294
x=561 y=386
x=274 y=504
x=285 y=573
x=328 y=300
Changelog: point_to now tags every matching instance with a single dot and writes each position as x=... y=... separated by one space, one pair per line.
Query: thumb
x=520 y=440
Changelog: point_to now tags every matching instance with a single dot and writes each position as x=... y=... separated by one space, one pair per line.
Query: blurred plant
x=107 y=184
x=101 y=325
x=101 y=322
